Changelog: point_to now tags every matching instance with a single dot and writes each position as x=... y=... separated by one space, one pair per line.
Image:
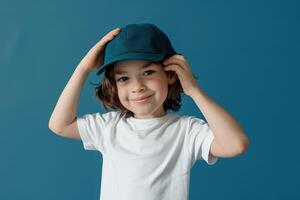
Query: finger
x=179 y=56
x=174 y=61
x=115 y=31
x=174 y=67
x=176 y=57
x=109 y=36
x=178 y=71
x=182 y=63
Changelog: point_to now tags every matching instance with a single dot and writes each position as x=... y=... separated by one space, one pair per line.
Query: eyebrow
x=142 y=67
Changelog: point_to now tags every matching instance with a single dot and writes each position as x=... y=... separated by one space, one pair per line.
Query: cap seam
x=161 y=39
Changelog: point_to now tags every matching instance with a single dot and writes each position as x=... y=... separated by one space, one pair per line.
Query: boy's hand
x=180 y=65
x=94 y=58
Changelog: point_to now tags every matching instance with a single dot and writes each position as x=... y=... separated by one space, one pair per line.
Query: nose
x=137 y=85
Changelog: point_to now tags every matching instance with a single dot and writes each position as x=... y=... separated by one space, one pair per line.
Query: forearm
x=66 y=107
x=226 y=129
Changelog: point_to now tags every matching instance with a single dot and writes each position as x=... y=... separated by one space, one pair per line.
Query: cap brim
x=131 y=56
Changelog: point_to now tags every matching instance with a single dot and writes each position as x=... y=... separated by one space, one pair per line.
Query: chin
x=141 y=113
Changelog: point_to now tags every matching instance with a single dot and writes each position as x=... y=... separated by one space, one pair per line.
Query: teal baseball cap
x=144 y=41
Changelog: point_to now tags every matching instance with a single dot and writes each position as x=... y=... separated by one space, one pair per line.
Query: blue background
x=244 y=53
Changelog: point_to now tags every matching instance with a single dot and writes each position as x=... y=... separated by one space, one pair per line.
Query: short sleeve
x=200 y=138
x=91 y=129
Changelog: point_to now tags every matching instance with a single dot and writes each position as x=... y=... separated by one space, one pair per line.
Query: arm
x=63 y=119
x=64 y=113
x=230 y=140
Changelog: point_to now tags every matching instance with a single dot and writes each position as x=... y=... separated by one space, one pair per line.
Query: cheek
x=120 y=93
x=123 y=95
x=160 y=85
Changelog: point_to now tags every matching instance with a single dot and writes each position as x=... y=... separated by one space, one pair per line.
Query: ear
x=172 y=77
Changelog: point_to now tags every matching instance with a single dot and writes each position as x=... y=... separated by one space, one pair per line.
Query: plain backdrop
x=244 y=53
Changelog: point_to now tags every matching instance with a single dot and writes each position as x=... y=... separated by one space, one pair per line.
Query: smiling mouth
x=141 y=100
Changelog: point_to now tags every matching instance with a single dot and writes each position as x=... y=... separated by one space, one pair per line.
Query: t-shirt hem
x=209 y=158
x=87 y=145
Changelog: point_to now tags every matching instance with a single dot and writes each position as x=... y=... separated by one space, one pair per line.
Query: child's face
x=137 y=81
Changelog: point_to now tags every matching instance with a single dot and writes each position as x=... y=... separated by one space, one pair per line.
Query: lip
x=141 y=98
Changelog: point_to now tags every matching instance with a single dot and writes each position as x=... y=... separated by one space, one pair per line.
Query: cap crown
x=137 y=41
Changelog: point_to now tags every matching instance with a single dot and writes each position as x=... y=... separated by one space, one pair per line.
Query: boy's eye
x=151 y=71
x=124 y=77
x=119 y=79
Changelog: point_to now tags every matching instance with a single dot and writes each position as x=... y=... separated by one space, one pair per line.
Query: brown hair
x=107 y=93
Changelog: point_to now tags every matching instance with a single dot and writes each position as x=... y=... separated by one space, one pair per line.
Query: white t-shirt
x=147 y=159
